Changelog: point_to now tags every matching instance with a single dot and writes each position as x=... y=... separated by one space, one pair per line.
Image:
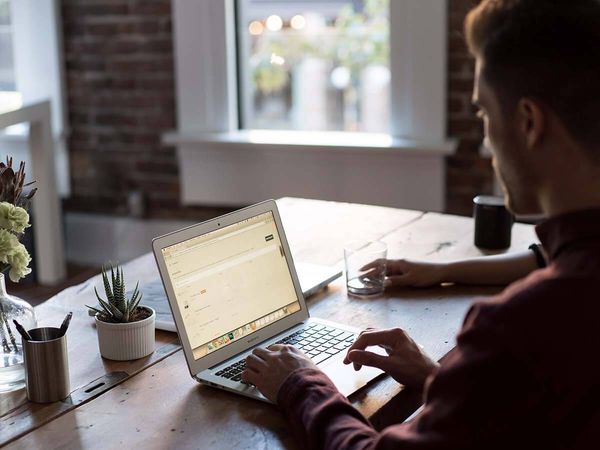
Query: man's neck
x=572 y=192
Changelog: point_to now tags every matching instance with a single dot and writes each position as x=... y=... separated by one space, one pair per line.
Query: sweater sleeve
x=461 y=409
x=320 y=416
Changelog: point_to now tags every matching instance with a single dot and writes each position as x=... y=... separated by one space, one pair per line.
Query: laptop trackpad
x=348 y=380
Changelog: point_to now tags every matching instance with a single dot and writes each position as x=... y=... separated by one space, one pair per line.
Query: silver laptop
x=232 y=286
x=313 y=278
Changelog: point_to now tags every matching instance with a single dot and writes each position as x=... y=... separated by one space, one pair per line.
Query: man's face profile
x=503 y=137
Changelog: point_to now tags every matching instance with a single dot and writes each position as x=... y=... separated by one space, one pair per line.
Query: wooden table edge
x=87 y=393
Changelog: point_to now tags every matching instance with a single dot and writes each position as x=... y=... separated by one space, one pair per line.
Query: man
x=523 y=372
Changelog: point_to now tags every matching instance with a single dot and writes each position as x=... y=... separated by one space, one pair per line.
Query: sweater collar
x=559 y=232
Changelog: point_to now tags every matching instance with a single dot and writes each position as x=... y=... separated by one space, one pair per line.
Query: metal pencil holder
x=46 y=365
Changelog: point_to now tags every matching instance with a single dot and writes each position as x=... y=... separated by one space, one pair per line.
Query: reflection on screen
x=231 y=282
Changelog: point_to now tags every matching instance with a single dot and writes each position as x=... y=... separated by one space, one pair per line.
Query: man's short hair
x=543 y=49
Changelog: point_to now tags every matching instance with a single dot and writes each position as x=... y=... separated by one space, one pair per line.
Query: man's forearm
x=320 y=416
x=490 y=270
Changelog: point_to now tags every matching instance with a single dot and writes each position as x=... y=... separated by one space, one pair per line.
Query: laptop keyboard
x=318 y=341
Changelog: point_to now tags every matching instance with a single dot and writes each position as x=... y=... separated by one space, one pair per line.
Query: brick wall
x=120 y=86
x=467 y=173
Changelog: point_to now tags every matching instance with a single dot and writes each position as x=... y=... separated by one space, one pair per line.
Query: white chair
x=47 y=224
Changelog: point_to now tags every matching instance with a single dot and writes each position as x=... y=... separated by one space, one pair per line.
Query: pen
x=65 y=324
x=22 y=331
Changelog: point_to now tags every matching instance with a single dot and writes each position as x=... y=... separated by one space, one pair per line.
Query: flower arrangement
x=14 y=219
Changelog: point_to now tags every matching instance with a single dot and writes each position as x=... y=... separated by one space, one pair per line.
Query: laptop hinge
x=255 y=346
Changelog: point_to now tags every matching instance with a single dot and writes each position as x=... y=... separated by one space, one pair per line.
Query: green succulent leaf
x=137 y=302
x=114 y=280
x=118 y=307
x=134 y=297
x=99 y=298
x=120 y=297
x=107 y=288
x=118 y=315
x=105 y=306
x=98 y=311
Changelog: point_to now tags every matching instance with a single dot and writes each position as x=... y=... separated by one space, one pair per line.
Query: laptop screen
x=230 y=282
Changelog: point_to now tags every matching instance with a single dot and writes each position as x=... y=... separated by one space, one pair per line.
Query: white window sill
x=10 y=100
x=15 y=133
x=19 y=134
x=371 y=143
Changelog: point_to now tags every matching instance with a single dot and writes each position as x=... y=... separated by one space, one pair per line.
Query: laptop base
x=344 y=377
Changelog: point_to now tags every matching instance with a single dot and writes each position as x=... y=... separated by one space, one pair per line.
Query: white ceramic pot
x=126 y=341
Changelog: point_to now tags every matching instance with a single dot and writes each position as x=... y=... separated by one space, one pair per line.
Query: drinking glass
x=365 y=263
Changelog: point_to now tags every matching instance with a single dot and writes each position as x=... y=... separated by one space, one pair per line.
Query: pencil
x=22 y=331
x=65 y=324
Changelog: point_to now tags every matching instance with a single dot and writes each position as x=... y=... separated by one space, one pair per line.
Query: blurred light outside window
x=9 y=98
x=7 y=73
x=314 y=65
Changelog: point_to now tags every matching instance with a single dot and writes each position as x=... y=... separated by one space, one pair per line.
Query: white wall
x=38 y=56
x=248 y=176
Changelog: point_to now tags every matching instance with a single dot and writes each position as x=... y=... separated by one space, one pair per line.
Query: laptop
x=313 y=278
x=232 y=286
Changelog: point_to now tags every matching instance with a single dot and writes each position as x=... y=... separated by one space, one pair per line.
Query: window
x=213 y=90
x=212 y=63
x=314 y=65
x=9 y=98
x=7 y=73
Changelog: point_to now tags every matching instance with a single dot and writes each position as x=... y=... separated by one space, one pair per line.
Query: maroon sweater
x=523 y=374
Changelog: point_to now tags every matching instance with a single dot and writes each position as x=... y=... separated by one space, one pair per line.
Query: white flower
x=19 y=261
x=8 y=244
x=13 y=218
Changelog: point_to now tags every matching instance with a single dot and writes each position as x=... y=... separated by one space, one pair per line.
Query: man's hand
x=267 y=369
x=404 y=272
x=407 y=363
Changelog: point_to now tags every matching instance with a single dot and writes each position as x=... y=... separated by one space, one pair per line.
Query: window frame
x=243 y=41
x=418 y=39
x=212 y=149
x=8 y=30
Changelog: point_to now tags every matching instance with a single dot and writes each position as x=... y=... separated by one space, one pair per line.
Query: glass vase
x=12 y=372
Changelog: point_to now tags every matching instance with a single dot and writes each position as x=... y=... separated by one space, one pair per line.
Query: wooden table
x=153 y=402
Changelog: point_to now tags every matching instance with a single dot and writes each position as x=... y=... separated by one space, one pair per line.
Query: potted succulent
x=125 y=329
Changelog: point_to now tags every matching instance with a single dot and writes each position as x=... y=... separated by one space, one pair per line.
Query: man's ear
x=531 y=121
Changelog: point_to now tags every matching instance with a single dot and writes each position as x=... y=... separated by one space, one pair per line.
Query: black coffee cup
x=493 y=223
